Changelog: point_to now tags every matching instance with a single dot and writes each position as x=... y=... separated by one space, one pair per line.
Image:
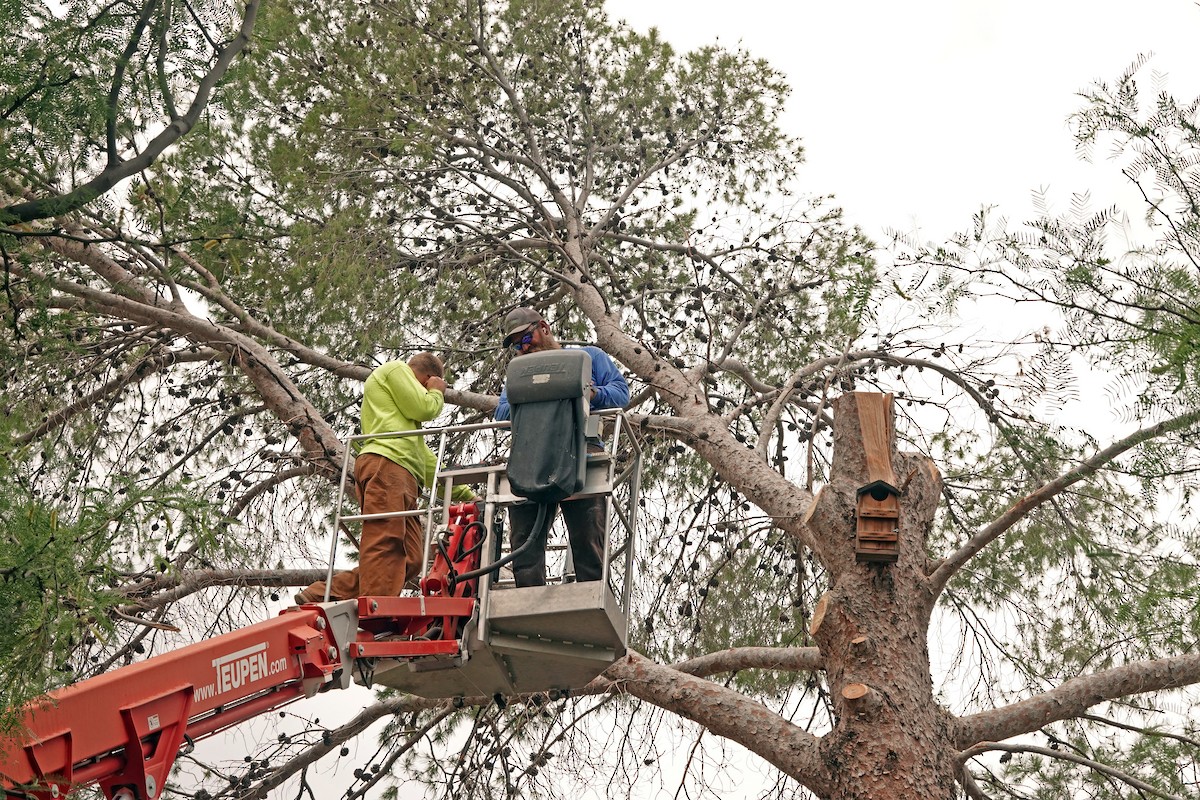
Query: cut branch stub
x=862 y=646
x=818 y=614
x=861 y=699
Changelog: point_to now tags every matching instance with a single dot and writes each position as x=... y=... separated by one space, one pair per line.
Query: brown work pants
x=389 y=554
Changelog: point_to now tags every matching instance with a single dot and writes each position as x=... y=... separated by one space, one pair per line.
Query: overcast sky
x=917 y=113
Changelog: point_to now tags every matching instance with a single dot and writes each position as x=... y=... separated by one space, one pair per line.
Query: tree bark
x=891 y=739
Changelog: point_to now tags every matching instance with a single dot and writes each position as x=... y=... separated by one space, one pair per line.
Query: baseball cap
x=518 y=320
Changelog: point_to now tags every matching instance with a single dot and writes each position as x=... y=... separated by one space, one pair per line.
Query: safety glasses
x=524 y=341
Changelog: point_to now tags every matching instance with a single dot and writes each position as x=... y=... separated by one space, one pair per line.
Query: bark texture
x=891 y=739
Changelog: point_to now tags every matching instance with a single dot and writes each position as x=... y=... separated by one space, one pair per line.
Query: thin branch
x=1190 y=742
x=266 y=485
x=162 y=626
x=385 y=769
x=970 y=786
x=367 y=717
x=1018 y=510
x=1063 y=755
x=788 y=659
x=169 y=588
x=118 y=80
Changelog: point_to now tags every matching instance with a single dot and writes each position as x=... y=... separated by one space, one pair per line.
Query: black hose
x=542 y=515
x=441 y=542
x=477 y=546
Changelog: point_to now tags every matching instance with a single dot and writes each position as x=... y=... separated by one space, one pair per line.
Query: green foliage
x=52 y=574
x=84 y=84
x=1141 y=304
x=416 y=170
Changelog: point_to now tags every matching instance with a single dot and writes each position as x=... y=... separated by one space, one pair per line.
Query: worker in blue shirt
x=525 y=331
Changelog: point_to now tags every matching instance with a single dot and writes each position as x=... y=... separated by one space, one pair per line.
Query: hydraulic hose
x=440 y=543
x=542 y=519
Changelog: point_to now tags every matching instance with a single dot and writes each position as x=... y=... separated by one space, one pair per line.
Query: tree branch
x=169 y=588
x=1105 y=769
x=726 y=713
x=118 y=170
x=788 y=659
x=1018 y=510
x=1076 y=696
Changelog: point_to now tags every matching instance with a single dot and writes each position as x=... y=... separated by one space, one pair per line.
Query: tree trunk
x=890 y=739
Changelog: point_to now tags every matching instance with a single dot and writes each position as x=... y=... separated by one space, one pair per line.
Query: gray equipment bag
x=547 y=392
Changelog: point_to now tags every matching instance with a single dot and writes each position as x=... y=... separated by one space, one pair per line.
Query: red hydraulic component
x=429 y=625
x=457 y=552
x=124 y=729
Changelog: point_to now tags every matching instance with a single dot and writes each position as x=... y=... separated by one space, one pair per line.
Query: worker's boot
x=304 y=597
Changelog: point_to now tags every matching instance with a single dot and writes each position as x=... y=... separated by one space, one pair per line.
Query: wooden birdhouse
x=878 y=508
x=878 y=514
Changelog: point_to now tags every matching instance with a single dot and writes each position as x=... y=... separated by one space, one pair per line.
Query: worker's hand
x=435 y=384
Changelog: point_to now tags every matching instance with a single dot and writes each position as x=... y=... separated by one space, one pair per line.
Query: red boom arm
x=125 y=728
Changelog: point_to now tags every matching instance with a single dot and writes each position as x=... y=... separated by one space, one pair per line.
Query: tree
x=91 y=104
x=376 y=162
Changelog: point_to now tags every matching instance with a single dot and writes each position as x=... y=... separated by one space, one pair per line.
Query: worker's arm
x=502 y=407
x=414 y=400
x=461 y=492
x=609 y=384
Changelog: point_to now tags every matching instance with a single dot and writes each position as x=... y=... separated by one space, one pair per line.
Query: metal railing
x=614 y=473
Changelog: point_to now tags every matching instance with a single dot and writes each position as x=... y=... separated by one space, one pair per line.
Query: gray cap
x=518 y=320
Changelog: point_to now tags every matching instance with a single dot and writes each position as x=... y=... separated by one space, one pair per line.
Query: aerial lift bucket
x=552 y=638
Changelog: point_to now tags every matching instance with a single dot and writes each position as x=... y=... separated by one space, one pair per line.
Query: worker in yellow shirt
x=389 y=475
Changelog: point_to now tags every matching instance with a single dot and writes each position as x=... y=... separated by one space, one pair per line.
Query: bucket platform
x=556 y=637
x=552 y=638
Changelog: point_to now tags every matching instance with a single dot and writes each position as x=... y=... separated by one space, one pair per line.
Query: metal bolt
x=332 y=653
x=320 y=623
x=151 y=787
x=374 y=606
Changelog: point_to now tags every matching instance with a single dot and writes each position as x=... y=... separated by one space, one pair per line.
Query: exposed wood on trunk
x=862 y=700
x=878 y=436
x=818 y=615
x=891 y=739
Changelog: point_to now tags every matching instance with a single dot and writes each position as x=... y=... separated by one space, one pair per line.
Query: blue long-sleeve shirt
x=611 y=389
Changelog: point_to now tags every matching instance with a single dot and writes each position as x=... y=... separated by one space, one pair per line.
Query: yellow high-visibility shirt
x=394 y=400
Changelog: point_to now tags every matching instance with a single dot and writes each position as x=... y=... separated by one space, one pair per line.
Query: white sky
x=917 y=113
